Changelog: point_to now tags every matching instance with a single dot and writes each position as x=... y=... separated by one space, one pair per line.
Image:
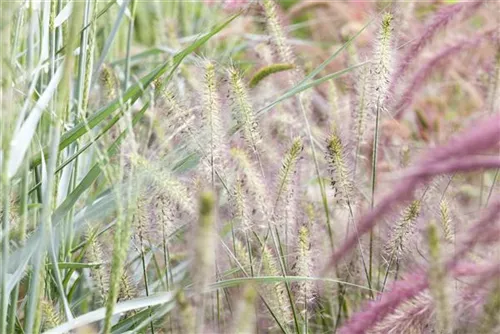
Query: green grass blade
x=132 y=94
x=120 y=308
x=94 y=172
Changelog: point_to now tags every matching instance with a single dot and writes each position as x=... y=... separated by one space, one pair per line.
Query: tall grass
x=234 y=166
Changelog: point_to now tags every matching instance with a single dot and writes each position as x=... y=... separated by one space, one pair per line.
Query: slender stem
x=146 y=282
x=373 y=183
x=5 y=245
x=318 y=174
x=492 y=186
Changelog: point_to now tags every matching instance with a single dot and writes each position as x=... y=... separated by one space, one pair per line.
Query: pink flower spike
x=421 y=76
x=484 y=135
x=440 y=20
x=375 y=311
x=406 y=289
x=454 y=165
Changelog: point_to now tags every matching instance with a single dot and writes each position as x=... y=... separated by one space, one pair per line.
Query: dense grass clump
x=249 y=167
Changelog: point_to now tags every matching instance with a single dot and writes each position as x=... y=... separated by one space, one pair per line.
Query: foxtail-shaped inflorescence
x=213 y=124
x=288 y=169
x=278 y=37
x=410 y=317
x=383 y=62
x=340 y=175
x=242 y=206
x=275 y=294
x=245 y=113
x=446 y=221
x=99 y=273
x=304 y=267
x=50 y=316
x=266 y=71
x=254 y=183
x=402 y=230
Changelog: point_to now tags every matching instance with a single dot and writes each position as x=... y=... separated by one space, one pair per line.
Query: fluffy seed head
x=382 y=62
x=304 y=268
x=50 y=315
x=275 y=29
x=288 y=166
x=403 y=230
x=213 y=124
x=253 y=182
x=267 y=71
x=446 y=222
x=276 y=293
x=244 y=112
x=340 y=178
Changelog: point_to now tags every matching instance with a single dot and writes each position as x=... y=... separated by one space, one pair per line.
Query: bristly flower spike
x=288 y=169
x=446 y=222
x=276 y=31
x=340 y=177
x=245 y=114
x=304 y=268
x=382 y=62
x=403 y=230
x=213 y=124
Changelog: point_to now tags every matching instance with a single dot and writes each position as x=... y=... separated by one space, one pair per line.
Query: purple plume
x=375 y=311
x=425 y=71
x=455 y=165
x=483 y=135
x=440 y=20
x=406 y=289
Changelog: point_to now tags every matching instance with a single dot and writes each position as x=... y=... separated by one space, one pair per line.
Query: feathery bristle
x=127 y=290
x=245 y=113
x=412 y=314
x=446 y=222
x=340 y=175
x=213 y=124
x=382 y=63
x=275 y=293
x=275 y=29
x=361 y=116
x=99 y=274
x=253 y=182
x=141 y=219
x=174 y=190
x=50 y=315
x=242 y=255
x=242 y=210
x=304 y=267
x=288 y=168
x=402 y=230
x=178 y=115
x=109 y=80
